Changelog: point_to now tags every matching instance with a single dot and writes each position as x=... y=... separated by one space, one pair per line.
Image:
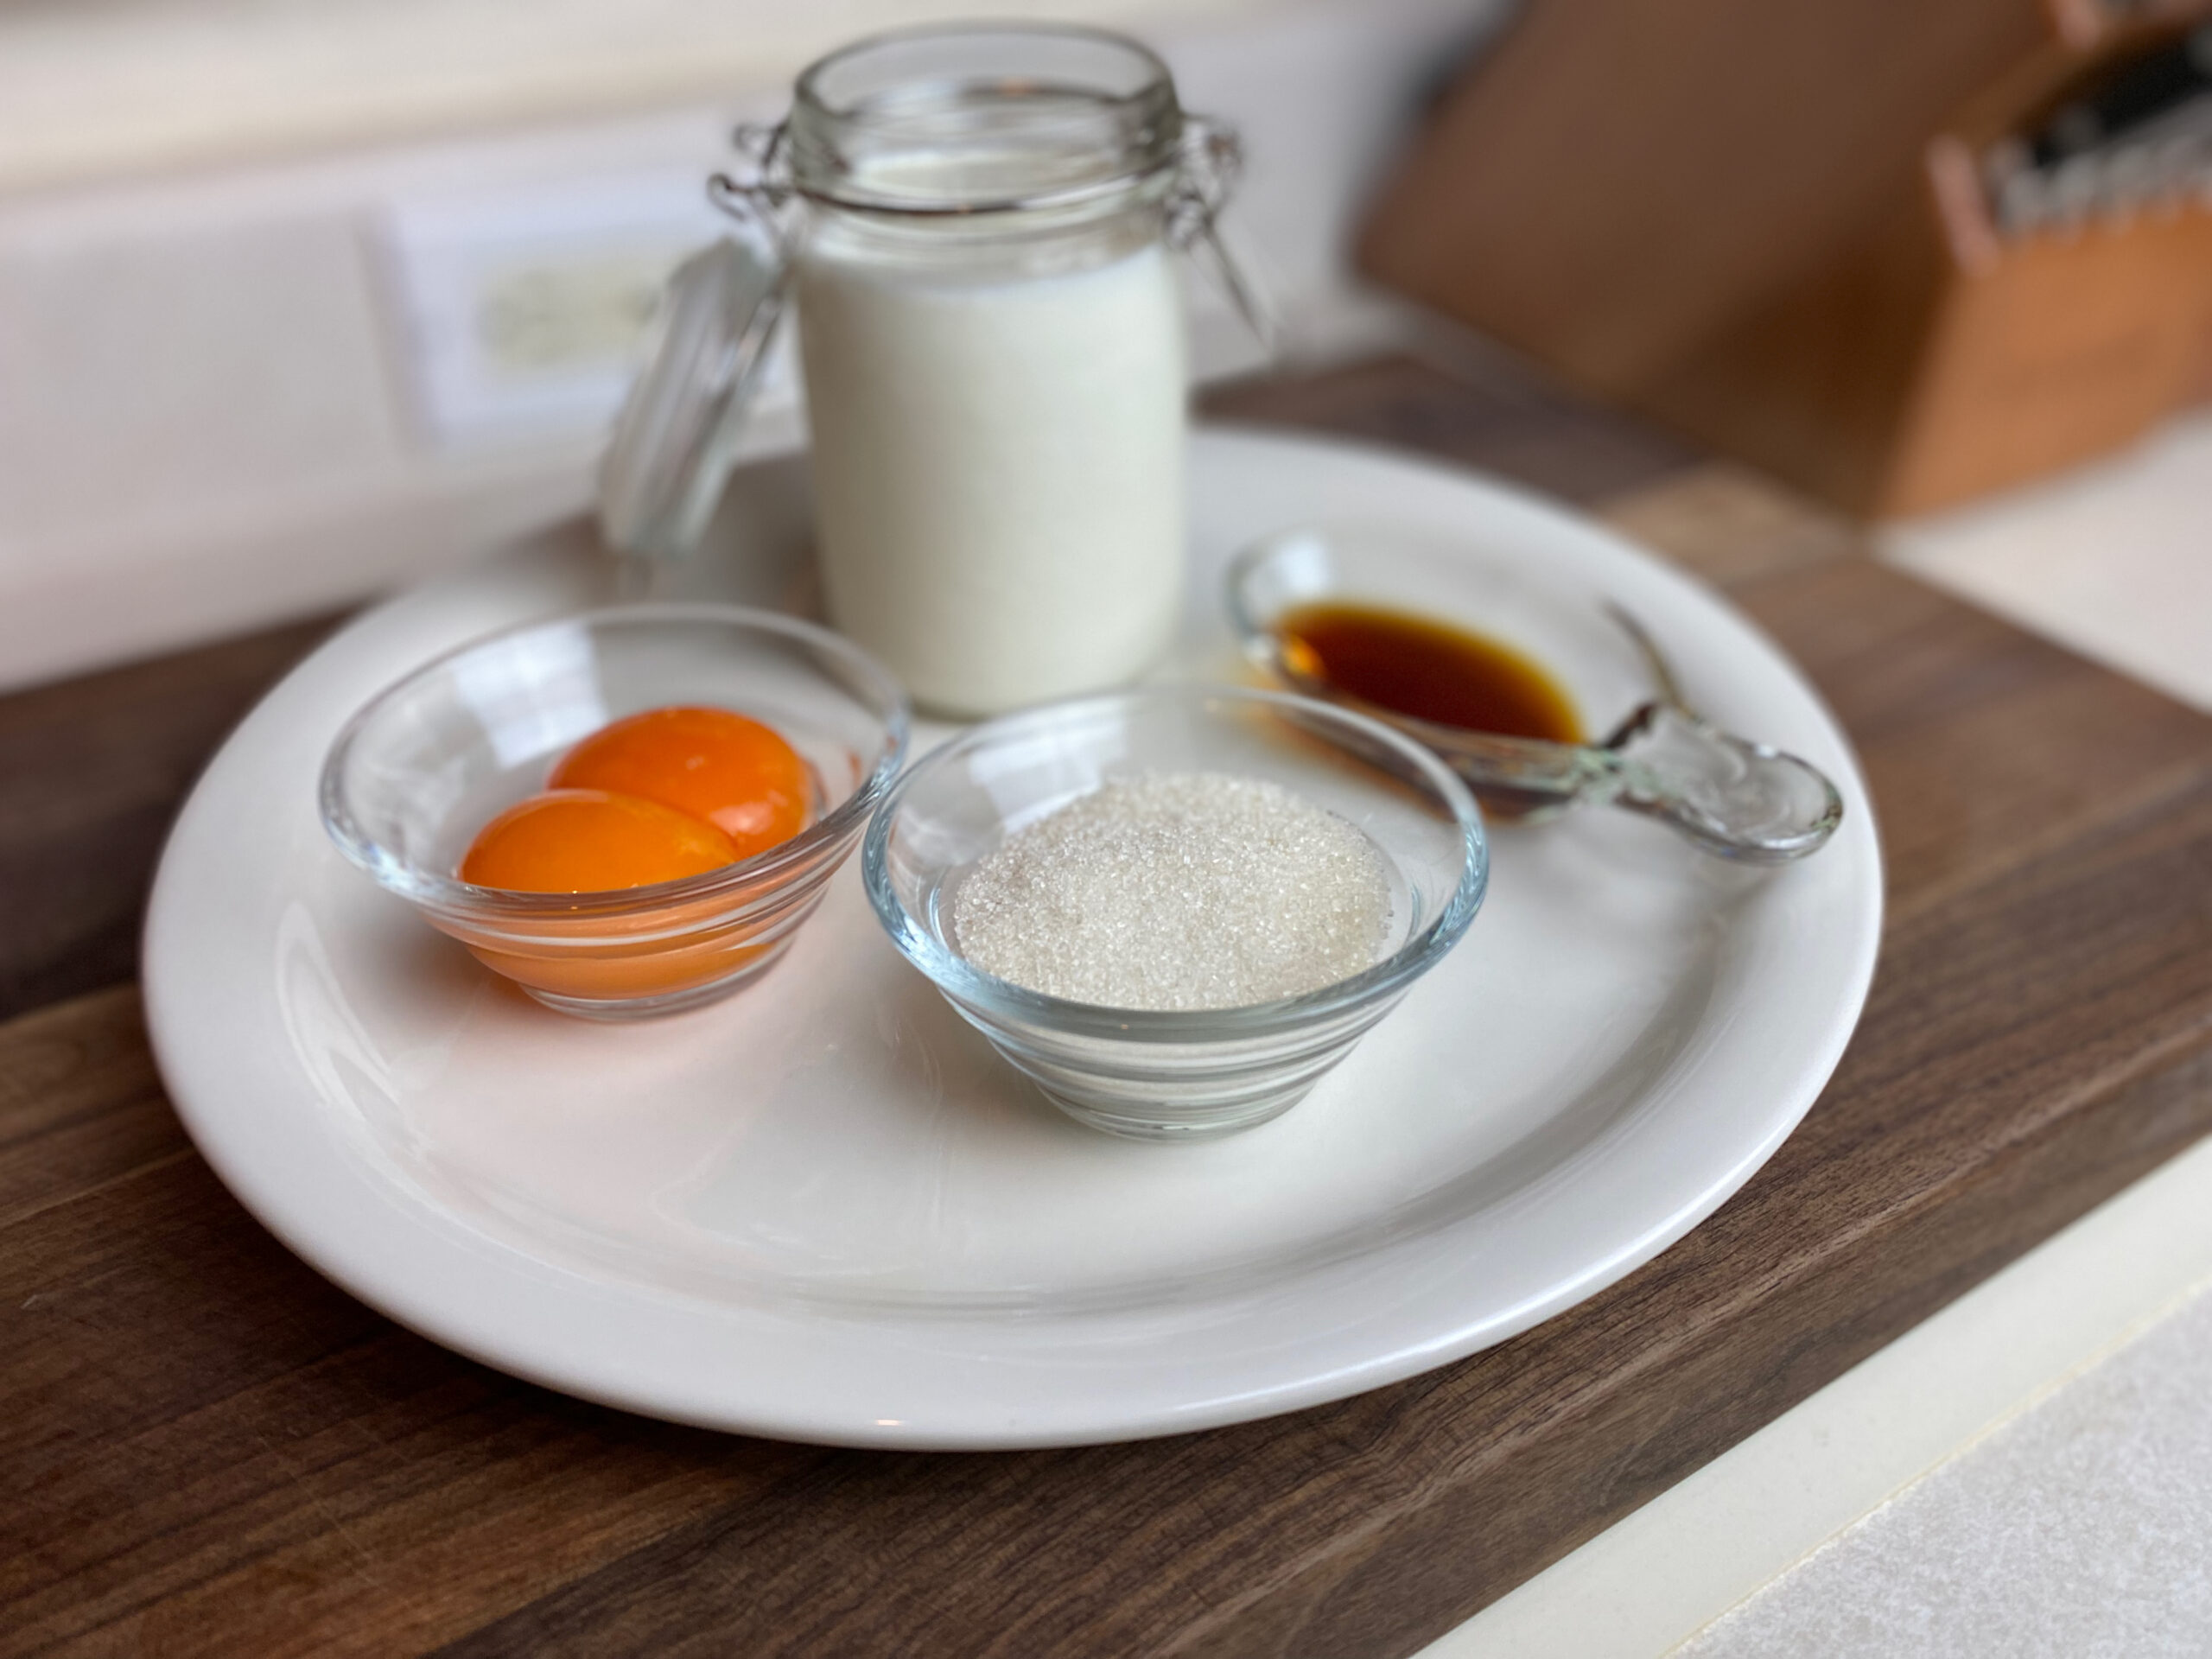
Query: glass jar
x=975 y=222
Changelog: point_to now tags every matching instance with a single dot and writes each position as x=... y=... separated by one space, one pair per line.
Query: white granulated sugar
x=1181 y=890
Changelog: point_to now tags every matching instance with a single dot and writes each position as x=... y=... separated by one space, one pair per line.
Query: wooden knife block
x=1765 y=226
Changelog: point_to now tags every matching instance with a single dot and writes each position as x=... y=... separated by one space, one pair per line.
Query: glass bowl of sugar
x=1176 y=908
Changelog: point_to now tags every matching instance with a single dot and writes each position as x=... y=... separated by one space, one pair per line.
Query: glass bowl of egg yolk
x=628 y=811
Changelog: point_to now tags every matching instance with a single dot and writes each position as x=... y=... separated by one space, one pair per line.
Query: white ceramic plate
x=825 y=1210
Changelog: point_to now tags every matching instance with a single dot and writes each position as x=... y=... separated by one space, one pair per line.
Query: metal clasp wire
x=1212 y=161
x=758 y=204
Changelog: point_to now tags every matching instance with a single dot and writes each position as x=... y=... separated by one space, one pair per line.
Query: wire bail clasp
x=758 y=203
x=1212 y=161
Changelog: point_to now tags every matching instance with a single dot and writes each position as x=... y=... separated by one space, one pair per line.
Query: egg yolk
x=733 y=773
x=592 y=840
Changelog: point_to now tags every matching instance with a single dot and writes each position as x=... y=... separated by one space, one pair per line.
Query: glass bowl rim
x=958 y=978
x=452 y=894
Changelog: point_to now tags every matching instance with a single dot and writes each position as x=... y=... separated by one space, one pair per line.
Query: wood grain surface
x=90 y=773
x=212 y=1451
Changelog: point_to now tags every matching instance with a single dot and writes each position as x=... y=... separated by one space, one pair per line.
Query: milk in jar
x=998 y=471
x=991 y=330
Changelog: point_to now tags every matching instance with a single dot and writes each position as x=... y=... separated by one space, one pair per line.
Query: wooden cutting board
x=210 y=1450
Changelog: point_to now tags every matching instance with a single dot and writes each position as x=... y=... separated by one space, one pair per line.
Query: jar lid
x=678 y=428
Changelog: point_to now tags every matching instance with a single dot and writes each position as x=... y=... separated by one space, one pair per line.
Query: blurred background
x=300 y=299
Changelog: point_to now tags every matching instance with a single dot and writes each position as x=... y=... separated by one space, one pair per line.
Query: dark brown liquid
x=1430 y=670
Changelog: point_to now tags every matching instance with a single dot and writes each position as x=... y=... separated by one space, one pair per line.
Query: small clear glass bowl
x=1178 y=1075
x=427 y=763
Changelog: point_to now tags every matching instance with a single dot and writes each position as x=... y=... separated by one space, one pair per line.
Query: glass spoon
x=1729 y=796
